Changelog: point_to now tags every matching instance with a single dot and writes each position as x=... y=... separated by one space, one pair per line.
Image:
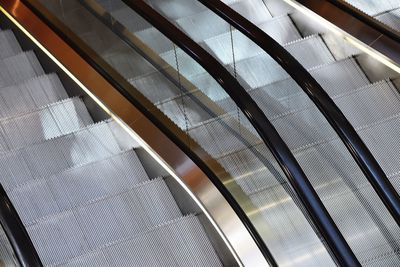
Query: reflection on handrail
x=16 y=233
x=297 y=178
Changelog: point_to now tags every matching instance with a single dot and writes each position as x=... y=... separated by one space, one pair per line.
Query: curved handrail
x=121 y=86
x=112 y=89
x=365 y=18
x=16 y=233
x=364 y=158
x=263 y=126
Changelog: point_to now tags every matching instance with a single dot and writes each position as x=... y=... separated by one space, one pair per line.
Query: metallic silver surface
x=223 y=217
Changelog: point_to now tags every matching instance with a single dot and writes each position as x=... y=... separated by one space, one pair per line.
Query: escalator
x=122 y=212
x=387 y=12
x=69 y=176
x=367 y=97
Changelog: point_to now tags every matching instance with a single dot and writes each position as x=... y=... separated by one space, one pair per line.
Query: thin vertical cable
x=182 y=95
x=234 y=72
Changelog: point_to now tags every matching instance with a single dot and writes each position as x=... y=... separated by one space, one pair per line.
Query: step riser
x=116 y=219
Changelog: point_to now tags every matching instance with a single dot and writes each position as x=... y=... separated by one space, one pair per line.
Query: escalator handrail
x=96 y=64
x=296 y=176
x=367 y=19
x=364 y=158
x=16 y=233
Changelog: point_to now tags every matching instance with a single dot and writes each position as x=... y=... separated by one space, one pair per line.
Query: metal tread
x=246 y=166
x=41 y=198
x=391 y=19
x=185 y=230
x=18 y=68
x=374 y=7
x=350 y=76
x=250 y=55
x=160 y=44
x=94 y=142
x=30 y=95
x=291 y=234
x=116 y=218
x=9 y=45
x=361 y=106
x=44 y=123
x=281 y=117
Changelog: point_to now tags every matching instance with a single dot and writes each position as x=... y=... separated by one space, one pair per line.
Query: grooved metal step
x=140 y=249
x=77 y=186
x=9 y=45
x=45 y=123
x=252 y=63
x=18 y=68
x=347 y=76
x=391 y=18
x=89 y=144
x=281 y=28
x=116 y=218
x=30 y=95
x=374 y=7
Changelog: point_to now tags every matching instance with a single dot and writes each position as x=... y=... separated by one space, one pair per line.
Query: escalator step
x=196 y=24
x=291 y=96
x=374 y=7
x=72 y=233
x=9 y=45
x=250 y=172
x=52 y=156
x=391 y=18
x=45 y=123
x=77 y=186
x=370 y=104
x=181 y=242
x=147 y=84
x=310 y=51
x=382 y=140
x=281 y=29
x=30 y=95
x=19 y=68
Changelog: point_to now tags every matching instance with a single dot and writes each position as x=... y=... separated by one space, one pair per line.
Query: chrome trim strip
x=167 y=153
x=381 y=47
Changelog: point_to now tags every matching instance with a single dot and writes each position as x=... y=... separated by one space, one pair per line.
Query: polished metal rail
x=378 y=39
x=131 y=108
x=364 y=158
x=365 y=18
x=16 y=233
x=297 y=178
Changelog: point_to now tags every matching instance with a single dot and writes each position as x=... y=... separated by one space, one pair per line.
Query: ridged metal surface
x=140 y=249
x=9 y=45
x=391 y=18
x=374 y=7
x=326 y=161
x=30 y=95
x=45 y=123
x=78 y=186
x=19 y=68
x=116 y=218
x=64 y=190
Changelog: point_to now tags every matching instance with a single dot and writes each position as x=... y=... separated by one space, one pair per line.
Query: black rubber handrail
x=365 y=18
x=297 y=178
x=118 y=82
x=16 y=233
x=364 y=158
